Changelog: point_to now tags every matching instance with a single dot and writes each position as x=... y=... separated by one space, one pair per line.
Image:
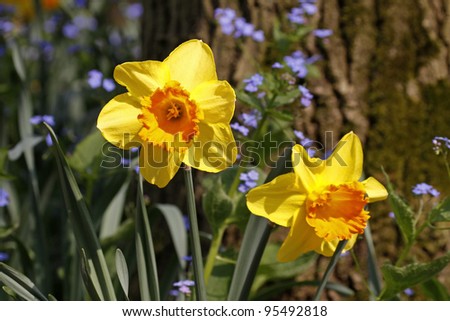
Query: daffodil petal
x=305 y=167
x=191 y=63
x=328 y=248
x=301 y=239
x=375 y=190
x=118 y=121
x=157 y=165
x=345 y=163
x=216 y=99
x=213 y=150
x=278 y=201
x=141 y=78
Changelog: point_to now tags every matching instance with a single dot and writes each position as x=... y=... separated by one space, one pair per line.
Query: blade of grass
x=194 y=237
x=255 y=239
x=122 y=272
x=145 y=253
x=81 y=222
x=330 y=268
x=20 y=284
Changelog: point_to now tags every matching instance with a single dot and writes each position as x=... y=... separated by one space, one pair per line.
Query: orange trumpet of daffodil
x=322 y=201
x=176 y=110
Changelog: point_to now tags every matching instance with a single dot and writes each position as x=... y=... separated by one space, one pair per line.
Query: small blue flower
x=6 y=26
x=80 y=3
x=4 y=198
x=296 y=15
x=322 y=33
x=84 y=22
x=391 y=215
x=241 y=129
x=134 y=11
x=248 y=181
x=225 y=18
x=253 y=83
x=70 y=31
x=187 y=258
x=184 y=286
x=48 y=140
x=439 y=143
x=424 y=188
x=4 y=256
x=38 y=119
x=409 y=292
x=297 y=63
x=258 y=36
x=251 y=119
x=95 y=78
x=108 y=84
x=277 y=65
x=306 y=96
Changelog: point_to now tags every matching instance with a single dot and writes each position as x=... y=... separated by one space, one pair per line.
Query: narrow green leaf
x=86 y=151
x=113 y=214
x=435 y=290
x=399 y=278
x=374 y=273
x=122 y=272
x=81 y=221
x=20 y=284
x=255 y=238
x=404 y=215
x=145 y=253
x=177 y=229
x=17 y=58
x=441 y=213
x=268 y=293
x=90 y=279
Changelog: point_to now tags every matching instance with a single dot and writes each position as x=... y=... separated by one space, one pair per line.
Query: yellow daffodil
x=176 y=110
x=322 y=201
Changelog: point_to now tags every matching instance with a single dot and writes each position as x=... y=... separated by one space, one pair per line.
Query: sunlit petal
x=375 y=190
x=216 y=99
x=345 y=163
x=191 y=64
x=118 y=121
x=157 y=165
x=278 y=200
x=213 y=150
x=141 y=78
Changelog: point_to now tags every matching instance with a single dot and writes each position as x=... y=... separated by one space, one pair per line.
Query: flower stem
x=330 y=268
x=194 y=236
x=212 y=253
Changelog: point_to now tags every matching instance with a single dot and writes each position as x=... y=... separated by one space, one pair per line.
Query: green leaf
x=269 y=292
x=220 y=278
x=435 y=290
x=122 y=272
x=398 y=279
x=281 y=115
x=20 y=284
x=145 y=253
x=272 y=270
x=82 y=225
x=217 y=205
x=3 y=160
x=285 y=99
x=248 y=99
x=404 y=215
x=256 y=236
x=177 y=229
x=113 y=214
x=86 y=151
x=441 y=213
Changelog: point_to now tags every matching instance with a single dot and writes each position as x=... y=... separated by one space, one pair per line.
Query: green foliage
x=400 y=278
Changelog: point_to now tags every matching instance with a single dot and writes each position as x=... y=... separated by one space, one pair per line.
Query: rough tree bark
x=385 y=75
